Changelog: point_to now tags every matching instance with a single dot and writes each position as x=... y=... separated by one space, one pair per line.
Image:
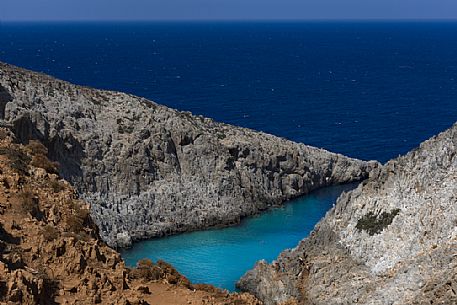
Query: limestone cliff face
x=148 y=170
x=51 y=253
x=393 y=240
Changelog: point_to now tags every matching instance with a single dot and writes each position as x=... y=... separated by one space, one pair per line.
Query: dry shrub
x=145 y=263
x=36 y=148
x=50 y=233
x=172 y=275
x=56 y=186
x=29 y=203
x=39 y=154
x=145 y=270
x=83 y=236
x=19 y=160
x=43 y=162
x=3 y=134
x=77 y=217
x=75 y=224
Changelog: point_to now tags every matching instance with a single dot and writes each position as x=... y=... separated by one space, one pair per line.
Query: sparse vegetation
x=36 y=148
x=3 y=134
x=145 y=270
x=75 y=223
x=76 y=218
x=375 y=223
x=50 y=233
x=29 y=203
x=19 y=160
x=56 y=186
x=145 y=263
x=43 y=162
x=39 y=159
x=172 y=275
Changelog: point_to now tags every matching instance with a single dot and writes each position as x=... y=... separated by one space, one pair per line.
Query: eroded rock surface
x=148 y=170
x=393 y=240
x=51 y=252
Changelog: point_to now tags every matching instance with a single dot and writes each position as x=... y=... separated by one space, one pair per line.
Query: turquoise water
x=221 y=256
x=370 y=90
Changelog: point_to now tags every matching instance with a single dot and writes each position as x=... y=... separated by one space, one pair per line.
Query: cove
x=221 y=256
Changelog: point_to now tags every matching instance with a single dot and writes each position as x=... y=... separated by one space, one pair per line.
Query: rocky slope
x=51 y=253
x=393 y=240
x=148 y=170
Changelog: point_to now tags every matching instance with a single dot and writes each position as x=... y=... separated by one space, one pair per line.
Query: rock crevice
x=149 y=170
x=392 y=240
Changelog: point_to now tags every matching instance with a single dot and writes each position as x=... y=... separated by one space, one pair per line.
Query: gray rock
x=393 y=240
x=149 y=170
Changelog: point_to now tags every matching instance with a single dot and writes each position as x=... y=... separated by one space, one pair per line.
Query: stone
x=74 y=267
x=406 y=255
x=148 y=170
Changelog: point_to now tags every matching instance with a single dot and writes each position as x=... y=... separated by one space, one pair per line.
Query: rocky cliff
x=148 y=170
x=51 y=253
x=393 y=240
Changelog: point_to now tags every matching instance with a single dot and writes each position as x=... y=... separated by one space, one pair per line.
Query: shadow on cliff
x=66 y=149
x=5 y=98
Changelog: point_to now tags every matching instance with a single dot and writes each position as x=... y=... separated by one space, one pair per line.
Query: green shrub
x=375 y=223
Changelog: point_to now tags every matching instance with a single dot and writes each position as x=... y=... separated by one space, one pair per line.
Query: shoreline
x=149 y=170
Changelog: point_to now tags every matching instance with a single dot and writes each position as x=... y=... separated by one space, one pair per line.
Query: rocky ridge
x=393 y=240
x=148 y=170
x=51 y=252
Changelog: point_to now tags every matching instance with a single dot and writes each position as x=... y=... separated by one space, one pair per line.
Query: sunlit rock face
x=149 y=170
x=392 y=240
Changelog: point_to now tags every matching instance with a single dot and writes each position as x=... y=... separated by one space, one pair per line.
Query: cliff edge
x=393 y=240
x=51 y=252
x=148 y=170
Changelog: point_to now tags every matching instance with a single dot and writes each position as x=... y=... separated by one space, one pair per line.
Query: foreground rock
x=51 y=253
x=148 y=170
x=393 y=240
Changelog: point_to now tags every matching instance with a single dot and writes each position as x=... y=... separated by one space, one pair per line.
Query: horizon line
x=225 y=20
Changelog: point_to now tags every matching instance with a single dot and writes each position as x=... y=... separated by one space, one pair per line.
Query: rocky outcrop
x=5 y=98
x=148 y=170
x=393 y=240
x=51 y=253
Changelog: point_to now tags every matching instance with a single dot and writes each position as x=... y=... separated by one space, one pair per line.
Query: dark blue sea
x=371 y=90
